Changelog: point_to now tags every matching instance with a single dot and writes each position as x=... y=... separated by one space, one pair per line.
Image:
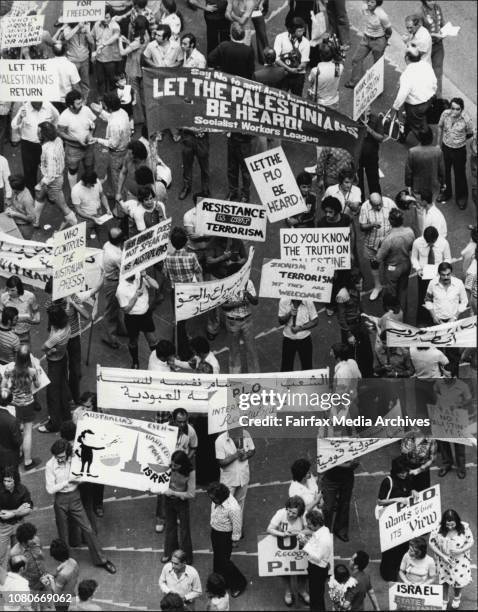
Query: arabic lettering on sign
x=459 y=333
x=335 y=451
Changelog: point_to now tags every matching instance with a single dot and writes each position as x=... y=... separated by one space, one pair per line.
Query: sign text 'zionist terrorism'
x=401 y=522
x=280 y=556
x=69 y=251
x=123 y=452
x=460 y=333
x=231 y=219
x=212 y=100
x=368 y=88
x=21 y=31
x=403 y=596
x=145 y=249
x=296 y=280
x=275 y=183
x=327 y=246
x=78 y=11
x=32 y=80
x=192 y=299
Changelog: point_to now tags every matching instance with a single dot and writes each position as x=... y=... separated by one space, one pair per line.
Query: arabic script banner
x=335 y=451
x=460 y=333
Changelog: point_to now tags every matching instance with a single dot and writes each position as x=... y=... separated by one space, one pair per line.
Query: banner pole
x=90 y=335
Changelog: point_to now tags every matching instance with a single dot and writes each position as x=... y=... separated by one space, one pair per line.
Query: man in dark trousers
x=337 y=486
x=233 y=56
x=10 y=434
x=425 y=168
x=270 y=74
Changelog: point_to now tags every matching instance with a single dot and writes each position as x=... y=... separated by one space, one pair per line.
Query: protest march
x=238 y=305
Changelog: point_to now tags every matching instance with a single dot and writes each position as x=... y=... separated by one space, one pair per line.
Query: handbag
x=319 y=25
x=393 y=127
x=436 y=109
x=379 y=509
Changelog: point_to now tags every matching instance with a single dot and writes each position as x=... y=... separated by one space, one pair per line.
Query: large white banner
x=123 y=452
x=193 y=299
x=276 y=185
x=28 y=80
x=336 y=451
x=403 y=596
x=400 y=523
x=145 y=249
x=296 y=280
x=69 y=252
x=79 y=11
x=326 y=246
x=231 y=219
x=368 y=88
x=21 y=31
x=280 y=556
x=460 y=333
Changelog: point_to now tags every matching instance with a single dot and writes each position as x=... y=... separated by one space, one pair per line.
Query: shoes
x=47 y=428
x=305 y=598
x=455 y=604
x=444 y=471
x=186 y=190
x=176 y=138
x=165 y=558
x=111 y=343
x=461 y=474
x=311 y=169
x=350 y=85
x=344 y=538
x=288 y=598
x=375 y=293
x=109 y=567
x=159 y=528
x=99 y=512
x=31 y=465
x=237 y=592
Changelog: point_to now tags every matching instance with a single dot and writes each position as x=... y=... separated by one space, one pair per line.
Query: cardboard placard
x=28 y=80
x=79 y=11
x=296 y=280
x=231 y=219
x=145 y=249
x=21 y=31
x=326 y=246
x=369 y=88
x=69 y=251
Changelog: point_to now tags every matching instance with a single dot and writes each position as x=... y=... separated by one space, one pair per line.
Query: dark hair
x=444 y=266
x=57 y=316
x=353 y=277
x=177 y=411
x=341 y=351
x=6 y=397
x=219 y=491
x=425 y=137
x=413 y=54
x=299 y=469
x=426 y=194
x=295 y=23
x=89 y=177
x=172 y=602
x=72 y=96
x=48 y=131
x=458 y=101
x=447 y=517
x=326 y=52
x=361 y=559
x=68 y=430
x=86 y=589
x=341 y=573
x=345 y=173
x=395 y=217
x=14 y=282
x=116 y=236
x=109 y=11
x=59 y=550
x=8 y=314
x=10 y=471
x=399 y=465
x=403 y=199
x=25 y=532
x=60 y=446
x=140 y=27
x=296 y=502
x=316 y=517
x=332 y=203
x=389 y=300
x=237 y=31
x=303 y=178
x=144 y=192
x=170 y=5
x=144 y=176
x=17 y=182
x=180 y=457
x=215 y=585
x=420 y=544
x=165 y=29
x=138 y=150
x=59 y=48
x=17 y=563
x=414 y=18
x=192 y=38
x=21 y=377
x=113 y=103
x=379 y=2
x=178 y=238
x=200 y=344
x=164 y=349
x=270 y=55
x=430 y=233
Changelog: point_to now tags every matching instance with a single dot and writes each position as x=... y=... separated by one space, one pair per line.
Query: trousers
x=195 y=147
x=74 y=367
x=177 y=536
x=290 y=348
x=237 y=151
x=455 y=159
x=221 y=542
x=58 y=394
x=237 y=330
x=31 y=155
x=317 y=579
x=337 y=495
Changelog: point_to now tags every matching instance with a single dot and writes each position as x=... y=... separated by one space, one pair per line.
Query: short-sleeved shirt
x=100 y=33
x=427 y=361
x=307 y=492
x=25 y=304
x=125 y=292
x=306 y=312
x=236 y=474
x=111 y=261
x=77 y=47
x=418 y=571
x=163 y=56
x=187 y=442
x=377 y=23
x=455 y=130
x=216 y=248
x=23 y=203
x=281 y=522
x=374 y=237
x=79 y=125
x=283 y=44
x=68 y=75
x=364 y=585
x=87 y=200
x=9 y=344
x=58 y=339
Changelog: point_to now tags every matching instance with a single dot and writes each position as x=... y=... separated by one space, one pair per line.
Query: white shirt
x=422 y=40
x=87 y=200
x=320 y=548
x=4 y=174
x=427 y=361
x=308 y=492
x=354 y=196
x=418 y=84
x=56 y=473
x=283 y=44
x=163 y=56
x=187 y=584
x=420 y=251
x=156 y=364
x=347 y=370
x=305 y=313
x=28 y=125
x=14 y=583
x=433 y=217
x=78 y=125
x=195 y=60
x=126 y=291
x=236 y=474
x=118 y=130
x=111 y=263
x=446 y=302
x=68 y=75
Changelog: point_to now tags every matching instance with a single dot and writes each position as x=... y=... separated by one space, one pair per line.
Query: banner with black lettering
x=215 y=101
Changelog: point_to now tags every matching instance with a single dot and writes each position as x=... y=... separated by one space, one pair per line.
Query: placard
x=461 y=333
x=448 y=421
x=326 y=246
x=336 y=451
x=145 y=249
x=296 y=280
x=69 y=251
x=193 y=299
x=231 y=219
x=123 y=452
x=79 y=11
x=21 y=31
x=276 y=185
x=369 y=88
x=403 y=596
x=280 y=556
x=400 y=523
x=28 y=80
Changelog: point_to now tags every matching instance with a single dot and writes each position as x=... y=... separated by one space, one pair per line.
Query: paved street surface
x=127 y=529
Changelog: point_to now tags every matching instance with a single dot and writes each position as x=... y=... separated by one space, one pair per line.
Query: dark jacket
x=234 y=58
x=10 y=439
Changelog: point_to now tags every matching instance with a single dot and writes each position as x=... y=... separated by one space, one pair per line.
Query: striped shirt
x=368 y=214
x=227 y=517
x=22 y=396
x=52 y=163
x=9 y=344
x=182 y=267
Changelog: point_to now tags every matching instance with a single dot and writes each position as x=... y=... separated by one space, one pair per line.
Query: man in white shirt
x=161 y=355
x=192 y=58
x=418 y=36
x=446 y=296
x=26 y=121
x=319 y=549
x=13 y=583
x=428 y=251
x=111 y=264
x=90 y=203
x=428 y=214
x=160 y=53
x=178 y=577
x=418 y=85
x=293 y=50
x=68 y=76
x=76 y=126
x=202 y=354
x=428 y=361
x=298 y=317
x=234 y=448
